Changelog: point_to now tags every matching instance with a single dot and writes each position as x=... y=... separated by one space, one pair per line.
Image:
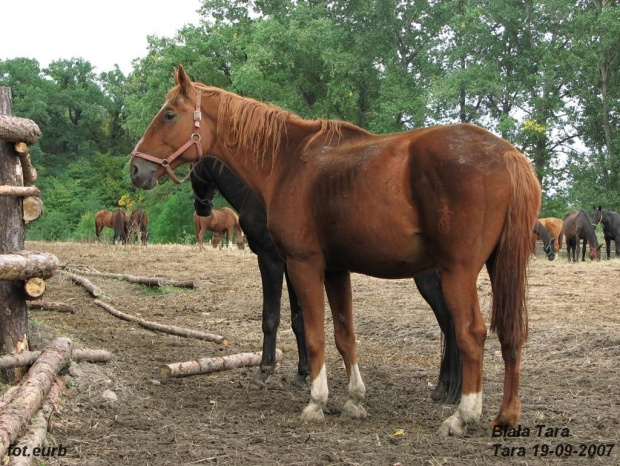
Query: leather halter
x=599 y=220
x=194 y=139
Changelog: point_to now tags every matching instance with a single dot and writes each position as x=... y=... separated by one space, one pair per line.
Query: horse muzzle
x=143 y=173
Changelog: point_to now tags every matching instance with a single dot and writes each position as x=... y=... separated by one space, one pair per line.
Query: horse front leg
x=338 y=289
x=308 y=280
x=583 y=253
x=459 y=291
x=297 y=323
x=448 y=388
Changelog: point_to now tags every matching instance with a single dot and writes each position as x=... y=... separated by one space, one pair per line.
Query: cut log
x=171 y=329
x=15 y=129
x=148 y=281
x=7 y=397
x=50 y=306
x=28 y=171
x=35 y=437
x=32 y=391
x=35 y=287
x=208 y=365
x=33 y=209
x=28 y=358
x=23 y=265
x=86 y=283
x=19 y=191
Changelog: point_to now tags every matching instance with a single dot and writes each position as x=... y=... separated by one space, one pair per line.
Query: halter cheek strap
x=194 y=140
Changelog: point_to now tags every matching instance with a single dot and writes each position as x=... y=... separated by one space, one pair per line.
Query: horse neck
x=590 y=234
x=262 y=175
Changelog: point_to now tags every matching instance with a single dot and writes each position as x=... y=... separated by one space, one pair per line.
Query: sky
x=104 y=33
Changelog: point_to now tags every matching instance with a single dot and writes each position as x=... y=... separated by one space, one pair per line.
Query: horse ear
x=183 y=80
x=600 y=208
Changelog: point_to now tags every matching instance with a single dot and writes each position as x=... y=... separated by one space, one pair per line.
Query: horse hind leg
x=338 y=289
x=459 y=290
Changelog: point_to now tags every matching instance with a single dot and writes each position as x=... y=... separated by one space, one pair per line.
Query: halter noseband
x=194 y=139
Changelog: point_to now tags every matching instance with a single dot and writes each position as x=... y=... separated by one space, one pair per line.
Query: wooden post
x=13 y=310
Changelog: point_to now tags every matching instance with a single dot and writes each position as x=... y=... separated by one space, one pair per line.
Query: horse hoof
x=353 y=410
x=312 y=413
x=451 y=427
x=260 y=379
x=300 y=381
x=439 y=393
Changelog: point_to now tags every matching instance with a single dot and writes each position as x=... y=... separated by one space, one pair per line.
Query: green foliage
x=543 y=75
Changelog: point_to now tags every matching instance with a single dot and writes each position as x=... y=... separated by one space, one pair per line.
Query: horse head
x=176 y=136
x=595 y=253
x=597 y=216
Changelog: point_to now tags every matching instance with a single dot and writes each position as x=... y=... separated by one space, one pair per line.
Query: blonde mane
x=259 y=129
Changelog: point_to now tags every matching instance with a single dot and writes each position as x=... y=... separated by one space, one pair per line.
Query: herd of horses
x=124 y=226
x=319 y=199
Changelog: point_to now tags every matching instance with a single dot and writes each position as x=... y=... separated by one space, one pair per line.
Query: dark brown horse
x=224 y=221
x=120 y=226
x=138 y=224
x=340 y=199
x=554 y=227
x=577 y=227
x=611 y=227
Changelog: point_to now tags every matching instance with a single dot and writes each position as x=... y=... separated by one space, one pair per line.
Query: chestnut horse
x=223 y=221
x=103 y=218
x=210 y=176
x=329 y=188
x=138 y=224
x=578 y=226
x=611 y=227
x=117 y=220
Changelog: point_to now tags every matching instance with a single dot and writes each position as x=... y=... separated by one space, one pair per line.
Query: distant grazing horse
x=209 y=176
x=329 y=188
x=223 y=221
x=116 y=220
x=611 y=227
x=120 y=226
x=554 y=227
x=548 y=242
x=577 y=226
x=138 y=226
x=103 y=218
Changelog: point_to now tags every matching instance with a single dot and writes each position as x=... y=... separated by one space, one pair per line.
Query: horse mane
x=258 y=128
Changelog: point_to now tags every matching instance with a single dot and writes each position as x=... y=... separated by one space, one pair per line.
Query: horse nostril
x=134 y=170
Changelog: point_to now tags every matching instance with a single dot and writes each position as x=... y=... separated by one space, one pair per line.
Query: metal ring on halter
x=197 y=138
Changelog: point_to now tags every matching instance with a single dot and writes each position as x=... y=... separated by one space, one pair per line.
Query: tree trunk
x=23 y=265
x=208 y=365
x=13 y=310
x=170 y=329
x=28 y=358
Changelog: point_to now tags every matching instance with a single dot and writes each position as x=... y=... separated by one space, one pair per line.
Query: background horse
x=540 y=232
x=223 y=221
x=329 y=187
x=611 y=227
x=138 y=226
x=209 y=176
x=103 y=218
x=577 y=226
x=120 y=226
x=554 y=227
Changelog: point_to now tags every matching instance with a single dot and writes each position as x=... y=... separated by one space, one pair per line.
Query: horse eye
x=169 y=116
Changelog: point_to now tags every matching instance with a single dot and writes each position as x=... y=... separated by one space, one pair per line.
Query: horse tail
x=508 y=267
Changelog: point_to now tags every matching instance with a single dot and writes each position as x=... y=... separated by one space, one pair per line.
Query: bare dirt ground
x=570 y=373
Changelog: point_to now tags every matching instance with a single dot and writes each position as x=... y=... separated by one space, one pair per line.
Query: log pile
x=19 y=204
x=26 y=408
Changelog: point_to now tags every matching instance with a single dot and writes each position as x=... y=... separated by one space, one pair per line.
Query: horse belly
x=382 y=257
